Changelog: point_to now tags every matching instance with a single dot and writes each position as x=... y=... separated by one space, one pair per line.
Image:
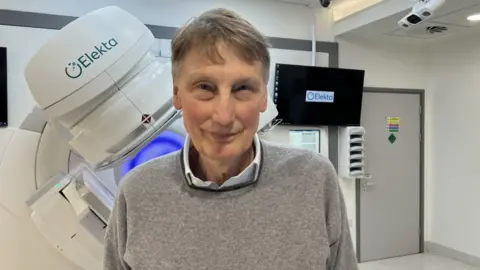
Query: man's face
x=221 y=103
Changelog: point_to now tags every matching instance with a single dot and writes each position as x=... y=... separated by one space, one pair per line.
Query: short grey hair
x=220 y=26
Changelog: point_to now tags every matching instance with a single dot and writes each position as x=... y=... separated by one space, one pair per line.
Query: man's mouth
x=222 y=137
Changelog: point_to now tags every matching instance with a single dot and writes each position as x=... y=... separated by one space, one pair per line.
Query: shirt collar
x=248 y=174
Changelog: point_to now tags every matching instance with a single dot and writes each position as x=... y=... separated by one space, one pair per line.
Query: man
x=228 y=200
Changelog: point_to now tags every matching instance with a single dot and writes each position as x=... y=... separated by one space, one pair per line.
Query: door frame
x=421 y=93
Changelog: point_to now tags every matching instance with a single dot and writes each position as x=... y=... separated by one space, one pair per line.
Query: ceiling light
x=474 y=17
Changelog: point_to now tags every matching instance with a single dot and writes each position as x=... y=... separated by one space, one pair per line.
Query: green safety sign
x=392 y=138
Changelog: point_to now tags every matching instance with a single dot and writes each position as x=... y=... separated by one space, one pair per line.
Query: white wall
x=273 y=19
x=454 y=86
x=448 y=71
x=387 y=65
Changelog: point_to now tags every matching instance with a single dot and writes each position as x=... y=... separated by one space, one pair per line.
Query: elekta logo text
x=74 y=69
x=319 y=96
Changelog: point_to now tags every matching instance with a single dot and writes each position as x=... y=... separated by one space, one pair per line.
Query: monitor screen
x=3 y=88
x=318 y=96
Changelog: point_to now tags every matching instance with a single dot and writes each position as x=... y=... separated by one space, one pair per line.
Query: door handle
x=367 y=184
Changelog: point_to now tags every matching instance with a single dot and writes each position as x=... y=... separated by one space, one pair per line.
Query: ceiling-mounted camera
x=325 y=3
x=422 y=11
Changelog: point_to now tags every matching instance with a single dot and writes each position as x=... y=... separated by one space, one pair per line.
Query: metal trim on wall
x=422 y=165
x=52 y=21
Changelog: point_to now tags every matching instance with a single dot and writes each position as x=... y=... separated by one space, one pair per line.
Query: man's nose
x=224 y=112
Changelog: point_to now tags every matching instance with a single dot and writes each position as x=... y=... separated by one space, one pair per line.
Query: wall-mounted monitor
x=318 y=96
x=3 y=88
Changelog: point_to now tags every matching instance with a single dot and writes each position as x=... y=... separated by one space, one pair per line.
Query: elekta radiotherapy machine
x=104 y=106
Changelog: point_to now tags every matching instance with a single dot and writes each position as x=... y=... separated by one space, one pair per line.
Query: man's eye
x=241 y=87
x=205 y=86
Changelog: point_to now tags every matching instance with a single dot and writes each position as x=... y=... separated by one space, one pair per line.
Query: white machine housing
x=99 y=87
x=351 y=152
x=71 y=211
x=103 y=89
x=422 y=11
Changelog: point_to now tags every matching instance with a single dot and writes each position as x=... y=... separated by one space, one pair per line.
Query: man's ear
x=264 y=101
x=177 y=103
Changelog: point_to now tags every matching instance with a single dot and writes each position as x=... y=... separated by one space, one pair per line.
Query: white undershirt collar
x=249 y=173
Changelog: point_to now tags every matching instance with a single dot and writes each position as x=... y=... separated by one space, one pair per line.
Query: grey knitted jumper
x=292 y=217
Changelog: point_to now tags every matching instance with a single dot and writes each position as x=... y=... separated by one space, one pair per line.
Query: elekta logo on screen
x=75 y=69
x=319 y=96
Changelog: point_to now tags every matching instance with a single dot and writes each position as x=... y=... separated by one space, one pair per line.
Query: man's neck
x=219 y=171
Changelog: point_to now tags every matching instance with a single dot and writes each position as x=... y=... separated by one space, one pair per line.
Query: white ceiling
x=313 y=3
x=452 y=16
x=299 y=2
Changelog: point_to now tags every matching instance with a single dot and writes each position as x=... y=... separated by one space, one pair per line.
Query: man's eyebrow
x=247 y=80
x=198 y=76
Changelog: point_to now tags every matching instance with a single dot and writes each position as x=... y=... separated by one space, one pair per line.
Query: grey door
x=389 y=199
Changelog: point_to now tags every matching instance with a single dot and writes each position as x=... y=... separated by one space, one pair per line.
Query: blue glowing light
x=167 y=142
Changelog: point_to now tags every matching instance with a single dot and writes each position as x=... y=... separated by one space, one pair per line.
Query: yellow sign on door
x=393 y=124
